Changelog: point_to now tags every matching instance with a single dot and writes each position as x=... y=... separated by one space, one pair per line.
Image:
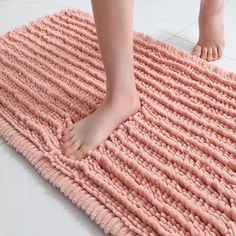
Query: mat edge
x=152 y=40
x=55 y=176
x=181 y=53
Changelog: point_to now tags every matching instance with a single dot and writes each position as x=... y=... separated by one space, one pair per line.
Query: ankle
x=123 y=98
x=124 y=95
x=122 y=89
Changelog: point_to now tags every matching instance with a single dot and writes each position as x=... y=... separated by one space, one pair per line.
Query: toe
x=67 y=145
x=214 y=53
x=81 y=153
x=68 y=129
x=67 y=136
x=220 y=50
x=74 y=147
x=204 y=53
x=197 y=50
x=209 y=54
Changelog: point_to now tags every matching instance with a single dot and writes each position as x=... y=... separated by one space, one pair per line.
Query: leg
x=211 y=30
x=114 y=21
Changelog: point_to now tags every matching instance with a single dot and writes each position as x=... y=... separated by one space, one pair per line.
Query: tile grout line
x=176 y=34
x=161 y=30
x=166 y=40
x=194 y=22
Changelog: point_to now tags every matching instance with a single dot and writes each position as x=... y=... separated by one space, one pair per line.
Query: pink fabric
x=167 y=170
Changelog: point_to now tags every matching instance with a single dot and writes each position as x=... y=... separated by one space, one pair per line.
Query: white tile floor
x=31 y=204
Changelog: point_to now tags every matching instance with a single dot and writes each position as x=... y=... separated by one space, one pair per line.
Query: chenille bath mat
x=168 y=170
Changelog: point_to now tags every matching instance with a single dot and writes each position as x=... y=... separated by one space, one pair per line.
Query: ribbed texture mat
x=168 y=170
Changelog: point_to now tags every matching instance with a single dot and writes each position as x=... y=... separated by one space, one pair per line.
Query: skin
x=210 y=43
x=122 y=98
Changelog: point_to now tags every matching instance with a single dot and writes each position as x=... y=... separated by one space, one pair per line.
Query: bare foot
x=88 y=133
x=211 y=30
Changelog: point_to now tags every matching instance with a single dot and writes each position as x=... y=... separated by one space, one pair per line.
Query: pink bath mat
x=168 y=170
